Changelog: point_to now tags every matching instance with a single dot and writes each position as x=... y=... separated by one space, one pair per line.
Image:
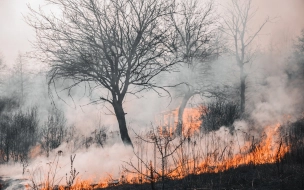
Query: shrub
x=53 y=132
x=295 y=140
x=18 y=133
x=219 y=113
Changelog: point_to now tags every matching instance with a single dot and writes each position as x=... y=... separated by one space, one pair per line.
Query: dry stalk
x=73 y=173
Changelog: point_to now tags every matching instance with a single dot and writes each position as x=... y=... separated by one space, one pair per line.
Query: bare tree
x=195 y=28
x=236 y=26
x=298 y=58
x=118 y=46
x=165 y=146
x=295 y=69
x=299 y=44
x=2 y=66
x=21 y=79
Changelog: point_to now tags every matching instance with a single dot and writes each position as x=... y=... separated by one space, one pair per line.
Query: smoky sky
x=15 y=34
x=287 y=20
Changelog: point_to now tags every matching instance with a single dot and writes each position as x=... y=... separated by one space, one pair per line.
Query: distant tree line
x=21 y=132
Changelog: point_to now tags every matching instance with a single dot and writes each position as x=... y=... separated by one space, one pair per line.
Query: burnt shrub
x=219 y=113
x=18 y=133
x=8 y=104
x=101 y=135
x=294 y=137
x=53 y=132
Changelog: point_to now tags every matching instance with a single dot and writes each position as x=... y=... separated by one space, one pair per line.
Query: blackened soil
x=264 y=177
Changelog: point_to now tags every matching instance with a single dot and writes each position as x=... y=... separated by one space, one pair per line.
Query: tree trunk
x=152 y=176
x=120 y=116
x=243 y=88
x=179 y=127
x=7 y=152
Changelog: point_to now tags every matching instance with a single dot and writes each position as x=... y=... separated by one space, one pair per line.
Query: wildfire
x=191 y=120
x=192 y=159
x=79 y=185
x=267 y=151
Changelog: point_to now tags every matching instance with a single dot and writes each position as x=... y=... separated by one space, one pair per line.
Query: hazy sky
x=15 y=33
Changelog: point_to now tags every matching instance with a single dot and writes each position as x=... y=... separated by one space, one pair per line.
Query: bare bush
x=18 y=133
x=73 y=174
x=101 y=136
x=295 y=139
x=53 y=132
x=165 y=146
x=45 y=179
x=219 y=113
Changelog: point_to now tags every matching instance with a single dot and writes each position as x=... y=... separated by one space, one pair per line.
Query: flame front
x=201 y=153
x=269 y=149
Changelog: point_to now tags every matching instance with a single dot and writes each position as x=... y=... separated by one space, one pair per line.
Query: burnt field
x=272 y=162
x=264 y=177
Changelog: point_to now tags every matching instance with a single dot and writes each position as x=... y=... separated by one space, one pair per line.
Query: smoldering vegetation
x=216 y=111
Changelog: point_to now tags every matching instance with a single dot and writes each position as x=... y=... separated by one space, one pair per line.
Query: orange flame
x=269 y=149
x=191 y=120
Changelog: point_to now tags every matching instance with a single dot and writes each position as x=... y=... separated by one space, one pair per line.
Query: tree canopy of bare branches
x=237 y=27
x=118 y=46
x=195 y=26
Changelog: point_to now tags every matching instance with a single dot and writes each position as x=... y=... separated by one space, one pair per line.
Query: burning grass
x=160 y=156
